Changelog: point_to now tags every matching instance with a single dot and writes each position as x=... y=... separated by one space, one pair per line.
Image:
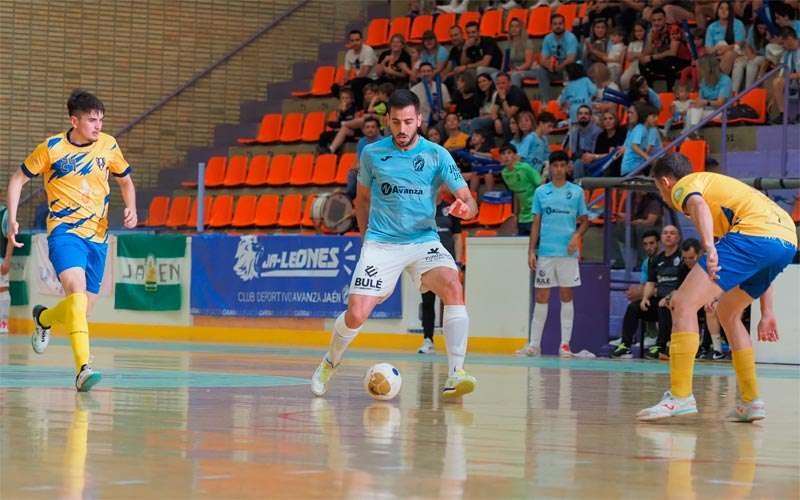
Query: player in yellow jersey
x=757 y=240
x=75 y=166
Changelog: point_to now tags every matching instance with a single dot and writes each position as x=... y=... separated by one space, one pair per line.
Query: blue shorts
x=68 y=250
x=750 y=262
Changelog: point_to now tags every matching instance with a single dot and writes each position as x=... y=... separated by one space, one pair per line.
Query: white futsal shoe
x=427 y=347
x=528 y=350
x=41 y=335
x=322 y=375
x=748 y=412
x=669 y=406
x=458 y=384
x=564 y=351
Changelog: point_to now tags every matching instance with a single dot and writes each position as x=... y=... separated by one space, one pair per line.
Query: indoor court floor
x=180 y=420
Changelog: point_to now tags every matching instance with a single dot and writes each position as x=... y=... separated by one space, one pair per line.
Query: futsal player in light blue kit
x=558 y=207
x=398 y=179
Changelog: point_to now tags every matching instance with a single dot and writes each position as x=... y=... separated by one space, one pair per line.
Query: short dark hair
x=556 y=16
x=585 y=106
x=651 y=233
x=690 y=243
x=575 y=71
x=355 y=32
x=658 y=10
x=508 y=147
x=546 y=117
x=559 y=155
x=426 y=63
x=672 y=165
x=788 y=32
x=503 y=74
x=372 y=119
x=81 y=101
x=644 y=109
x=386 y=88
x=471 y=24
x=402 y=98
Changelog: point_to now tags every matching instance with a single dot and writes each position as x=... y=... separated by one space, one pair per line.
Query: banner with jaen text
x=148 y=272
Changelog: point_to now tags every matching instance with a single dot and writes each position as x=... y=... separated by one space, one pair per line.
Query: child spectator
x=539 y=150
x=476 y=154
x=434 y=135
x=596 y=46
x=616 y=54
x=640 y=91
x=455 y=137
x=345 y=111
x=378 y=96
x=578 y=91
x=636 y=143
x=522 y=179
x=633 y=54
x=679 y=107
x=522 y=138
x=689 y=75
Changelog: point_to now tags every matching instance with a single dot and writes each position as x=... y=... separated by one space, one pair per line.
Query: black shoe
x=622 y=351
x=653 y=352
x=717 y=355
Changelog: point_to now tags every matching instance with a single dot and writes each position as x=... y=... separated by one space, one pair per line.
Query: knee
x=542 y=295
x=451 y=290
x=356 y=316
x=680 y=303
x=565 y=294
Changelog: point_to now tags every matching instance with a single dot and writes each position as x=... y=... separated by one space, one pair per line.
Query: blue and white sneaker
x=669 y=406
x=86 y=379
x=748 y=412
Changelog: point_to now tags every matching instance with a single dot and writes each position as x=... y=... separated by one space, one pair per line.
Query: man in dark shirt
x=663 y=271
x=453 y=68
x=508 y=101
x=481 y=54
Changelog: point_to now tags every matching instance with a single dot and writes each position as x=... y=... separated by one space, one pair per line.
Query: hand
x=587 y=158
x=663 y=302
x=644 y=304
x=5 y=268
x=459 y=209
x=532 y=260
x=711 y=307
x=619 y=152
x=712 y=263
x=459 y=69
x=768 y=328
x=13 y=231
x=129 y=218
x=574 y=243
x=630 y=293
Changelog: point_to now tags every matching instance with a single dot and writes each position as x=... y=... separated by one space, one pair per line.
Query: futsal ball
x=383 y=381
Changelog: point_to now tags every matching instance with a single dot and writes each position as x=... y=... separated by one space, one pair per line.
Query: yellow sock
x=56 y=314
x=682 y=349
x=744 y=362
x=73 y=311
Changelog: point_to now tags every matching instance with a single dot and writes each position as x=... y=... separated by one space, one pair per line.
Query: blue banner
x=281 y=276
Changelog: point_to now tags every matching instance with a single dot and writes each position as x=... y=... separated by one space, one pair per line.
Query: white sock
x=567 y=314
x=716 y=342
x=537 y=324
x=456 y=330
x=342 y=336
x=5 y=303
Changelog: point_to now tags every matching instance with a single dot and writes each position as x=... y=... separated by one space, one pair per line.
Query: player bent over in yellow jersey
x=757 y=240
x=75 y=166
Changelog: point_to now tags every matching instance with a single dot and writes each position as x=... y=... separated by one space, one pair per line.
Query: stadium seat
x=332 y=117
x=267 y=210
x=292 y=129
x=306 y=220
x=321 y=84
x=377 y=32
x=222 y=211
x=340 y=76
x=554 y=108
x=237 y=171
x=666 y=107
x=269 y=131
x=756 y=99
x=400 y=26
x=258 y=171
x=491 y=214
x=482 y=233
x=179 y=211
x=158 y=212
x=324 y=170
x=313 y=125
x=302 y=169
x=539 y=22
x=468 y=17
x=695 y=151
x=215 y=173
x=521 y=14
x=442 y=27
x=208 y=204
x=245 y=214
x=420 y=25
x=280 y=170
x=291 y=210
x=492 y=23
x=796 y=210
x=346 y=162
x=570 y=12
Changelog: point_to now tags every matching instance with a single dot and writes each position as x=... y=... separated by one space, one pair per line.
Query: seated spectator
x=596 y=46
x=640 y=91
x=434 y=135
x=715 y=89
x=675 y=11
x=508 y=101
x=518 y=60
x=345 y=111
x=559 y=48
x=378 y=96
x=633 y=54
x=455 y=138
x=360 y=57
x=371 y=130
x=582 y=139
x=476 y=154
x=522 y=179
x=649 y=249
x=751 y=67
x=578 y=91
x=662 y=279
x=481 y=54
x=466 y=98
x=601 y=77
x=666 y=53
x=725 y=37
x=434 y=99
x=433 y=54
x=394 y=64
x=791 y=60
x=636 y=142
x=615 y=57
x=679 y=108
x=454 y=66
x=646 y=208
x=521 y=126
x=609 y=142
x=486 y=94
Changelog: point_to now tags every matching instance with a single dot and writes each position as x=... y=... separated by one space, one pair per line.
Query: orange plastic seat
x=346 y=162
x=492 y=23
x=208 y=204
x=292 y=129
x=756 y=99
x=245 y=214
x=179 y=211
x=666 y=107
x=493 y=214
x=158 y=212
x=280 y=170
x=321 y=84
x=442 y=27
x=570 y=12
x=420 y=25
x=324 y=170
x=215 y=171
x=267 y=210
x=291 y=210
x=237 y=171
x=521 y=14
x=695 y=151
x=796 y=210
x=269 y=131
x=377 y=32
x=302 y=169
x=483 y=233
x=258 y=171
x=313 y=125
x=222 y=211
x=400 y=26
x=468 y=17
x=306 y=220
x=340 y=75
x=539 y=22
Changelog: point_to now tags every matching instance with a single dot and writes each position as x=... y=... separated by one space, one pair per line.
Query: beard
x=405 y=140
x=584 y=121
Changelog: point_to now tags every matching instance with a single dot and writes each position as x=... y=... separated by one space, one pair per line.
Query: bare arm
x=362 y=203
x=697 y=209
x=768 y=325
x=465 y=207
x=533 y=241
x=128 y=191
x=15 y=184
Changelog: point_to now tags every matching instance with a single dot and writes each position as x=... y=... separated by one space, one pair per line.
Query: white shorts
x=562 y=272
x=380 y=265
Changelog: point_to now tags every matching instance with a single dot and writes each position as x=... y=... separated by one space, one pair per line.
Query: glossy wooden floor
x=177 y=420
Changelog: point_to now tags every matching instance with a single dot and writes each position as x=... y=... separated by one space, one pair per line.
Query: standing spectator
x=454 y=66
x=725 y=37
x=466 y=98
x=616 y=54
x=360 y=57
x=522 y=179
x=582 y=139
x=633 y=54
x=539 y=150
x=666 y=53
x=608 y=143
x=715 y=89
x=518 y=59
x=480 y=53
x=434 y=99
x=559 y=48
x=394 y=64
x=508 y=101
x=455 y=137
x=432 y=53
x=636 y=144
x=578 y=91
x=558 y=207
x=791 y=60
x=595 y=47
x=371 y=130
x=751 y=65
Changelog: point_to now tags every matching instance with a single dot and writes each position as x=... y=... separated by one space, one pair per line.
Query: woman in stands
x=715 y=89
x=486 y=92
x=466 y=98
x=725 y=37
x=394 y=64
x=751 y=66
x=518 y=57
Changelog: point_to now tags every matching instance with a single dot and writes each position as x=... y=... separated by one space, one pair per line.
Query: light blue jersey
x=403 y=185
x=559 y=209
x=577 y=93
x=539 y=152
x=631 y=159
x=715 y=33
x=559 y=47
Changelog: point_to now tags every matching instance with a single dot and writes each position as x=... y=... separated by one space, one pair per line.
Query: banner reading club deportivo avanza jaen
x=277 y=276
x=149 y=270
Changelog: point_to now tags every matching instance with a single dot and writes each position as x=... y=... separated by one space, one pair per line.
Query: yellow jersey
x=76 y=182
x=736 y=207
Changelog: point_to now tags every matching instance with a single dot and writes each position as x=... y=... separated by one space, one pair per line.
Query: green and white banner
x=149 y=271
